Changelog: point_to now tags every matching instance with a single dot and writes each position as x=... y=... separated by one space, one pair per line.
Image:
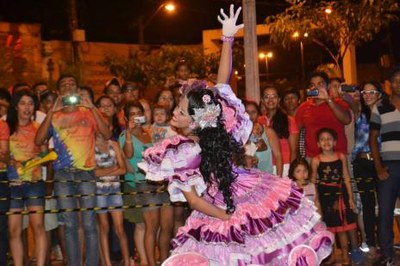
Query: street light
x=170 y=7
x=328 y=10
x=265 y=56
x=296 y=35
x=167 y=6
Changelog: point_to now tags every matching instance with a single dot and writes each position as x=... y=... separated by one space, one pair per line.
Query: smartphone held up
x=348 y=88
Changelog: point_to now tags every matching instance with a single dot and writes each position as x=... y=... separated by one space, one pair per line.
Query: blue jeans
x=4 y=207
x=71 y=218
x=388 y=192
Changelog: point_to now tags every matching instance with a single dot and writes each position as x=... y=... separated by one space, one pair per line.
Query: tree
x=333 y=25
x=151 y=68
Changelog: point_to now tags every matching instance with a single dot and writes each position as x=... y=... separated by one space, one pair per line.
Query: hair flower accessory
x=207 y=116
x=206 y=98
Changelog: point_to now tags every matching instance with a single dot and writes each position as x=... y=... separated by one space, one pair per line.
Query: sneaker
x=396 y=246
x=364 y=247
x=388 y=262
x=56 y=252
x=356 y=256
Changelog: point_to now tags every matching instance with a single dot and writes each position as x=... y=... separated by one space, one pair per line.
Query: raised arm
x=101 y=123
x=43 y=131
x=229 y=29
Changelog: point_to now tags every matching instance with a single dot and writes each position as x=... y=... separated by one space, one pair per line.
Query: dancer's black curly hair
x=218 y=149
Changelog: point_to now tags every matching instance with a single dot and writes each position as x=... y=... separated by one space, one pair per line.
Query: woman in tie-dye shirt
x=26 y=189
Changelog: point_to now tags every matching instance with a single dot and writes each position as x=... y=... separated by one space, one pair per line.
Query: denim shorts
x=109 y=200
x=37 y=189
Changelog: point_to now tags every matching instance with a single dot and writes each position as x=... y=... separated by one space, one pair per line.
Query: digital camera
x=312 y=93
x=140 y=120
x=71 y=100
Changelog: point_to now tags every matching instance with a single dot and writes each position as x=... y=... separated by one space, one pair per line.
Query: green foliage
x=151 y=68
x=350 y=22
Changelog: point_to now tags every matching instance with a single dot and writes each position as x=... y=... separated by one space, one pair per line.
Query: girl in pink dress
x=240 y=217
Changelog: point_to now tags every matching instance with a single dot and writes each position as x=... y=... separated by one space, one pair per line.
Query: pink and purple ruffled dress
x=273 y=224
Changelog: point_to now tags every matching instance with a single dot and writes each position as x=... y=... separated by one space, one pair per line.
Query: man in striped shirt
x=385 y=122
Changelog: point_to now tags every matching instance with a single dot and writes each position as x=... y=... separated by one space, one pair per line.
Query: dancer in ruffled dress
x=240 y=217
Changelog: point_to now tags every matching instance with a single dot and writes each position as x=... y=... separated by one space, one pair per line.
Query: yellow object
x=51 y=156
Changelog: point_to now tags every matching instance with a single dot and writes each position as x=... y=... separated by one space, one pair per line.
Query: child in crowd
x=160 y=129
x=256 y=142
x=110 y=165
x=299 y=173
x=47 y=100
x=331 y=175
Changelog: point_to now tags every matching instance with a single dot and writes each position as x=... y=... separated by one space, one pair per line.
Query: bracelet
x=227 y=39
x=126 y=141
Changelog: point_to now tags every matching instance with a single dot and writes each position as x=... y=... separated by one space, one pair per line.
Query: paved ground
x=365 y=262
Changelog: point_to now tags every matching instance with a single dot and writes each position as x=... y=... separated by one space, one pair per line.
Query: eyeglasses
x=371 y=92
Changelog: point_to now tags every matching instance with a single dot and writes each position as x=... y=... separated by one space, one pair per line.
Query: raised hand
x=57 y=105
x=229 y=27
x=86 y=102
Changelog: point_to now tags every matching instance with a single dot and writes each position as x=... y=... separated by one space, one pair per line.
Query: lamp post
x=266 y=56
x=296 y=35
x=167 y=6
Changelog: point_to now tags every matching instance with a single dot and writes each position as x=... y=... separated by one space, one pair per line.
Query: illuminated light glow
x=263 y=55
x=170 y=7
x=236 y=72
x=328 y=10
x=306 y=35
x=296 y=34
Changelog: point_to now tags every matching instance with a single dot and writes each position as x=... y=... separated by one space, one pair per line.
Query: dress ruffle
x=237 y=121
x=176 y=160
x=271 y=218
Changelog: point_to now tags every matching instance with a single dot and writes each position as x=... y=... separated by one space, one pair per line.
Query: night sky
x=117 y=21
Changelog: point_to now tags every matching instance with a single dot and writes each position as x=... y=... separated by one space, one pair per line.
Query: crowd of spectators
x=341 y=145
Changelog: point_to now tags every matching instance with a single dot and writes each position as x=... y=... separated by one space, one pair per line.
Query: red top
x=314 y=117
x=4 y=131
x=4 y=136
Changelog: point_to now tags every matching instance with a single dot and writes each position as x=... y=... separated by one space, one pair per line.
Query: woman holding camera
x=134 y=141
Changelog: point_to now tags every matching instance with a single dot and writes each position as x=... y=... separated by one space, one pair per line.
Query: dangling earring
x=192 y=125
